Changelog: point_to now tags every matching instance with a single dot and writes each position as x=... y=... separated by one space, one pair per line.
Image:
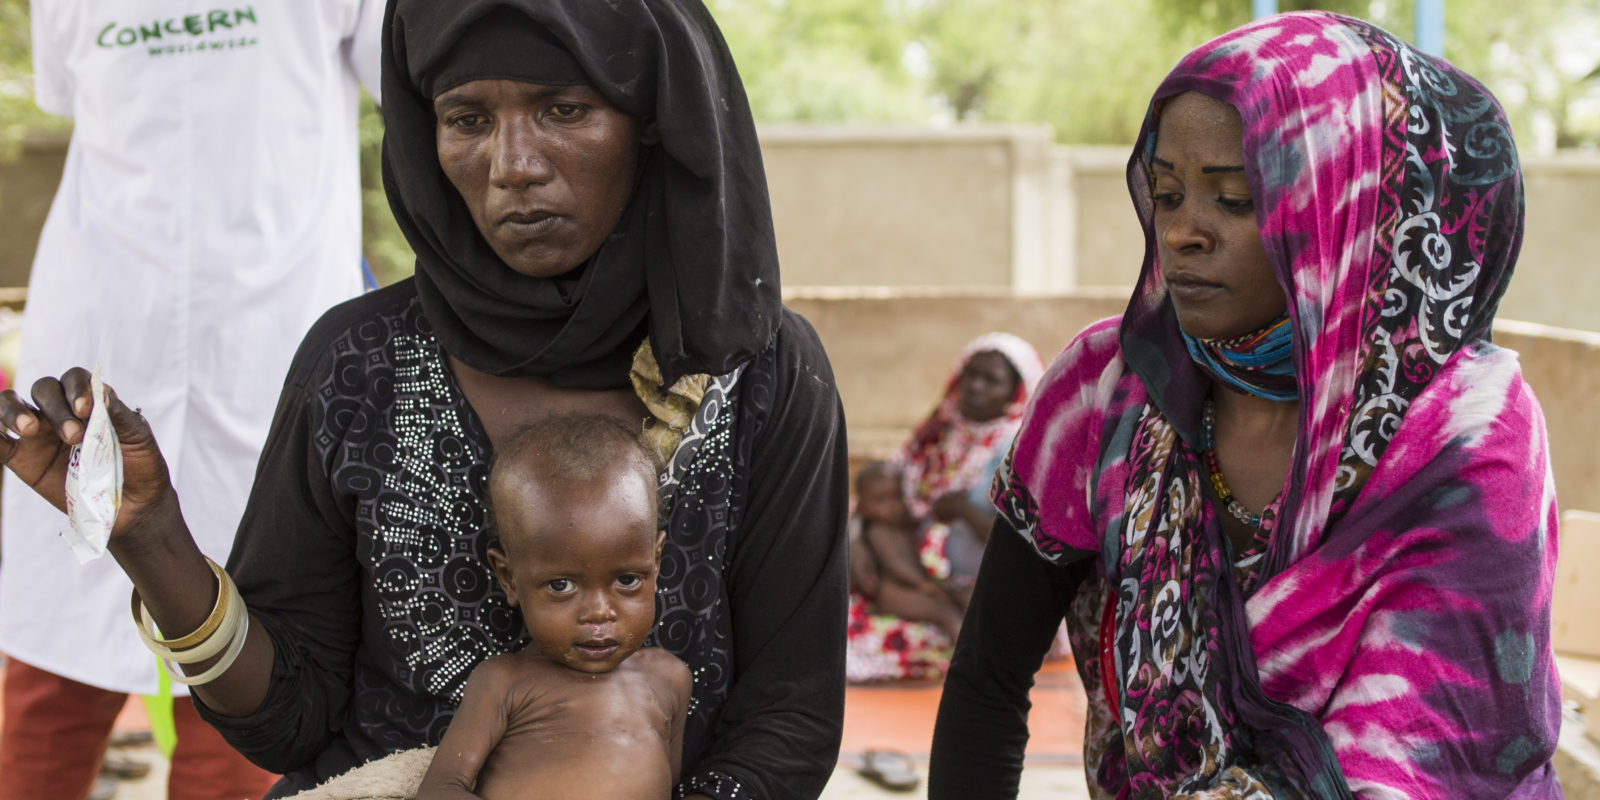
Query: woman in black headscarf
x=582 y=185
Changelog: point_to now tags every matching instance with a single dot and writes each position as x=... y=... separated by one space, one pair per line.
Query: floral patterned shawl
x=1393 y=639
x=948 y=452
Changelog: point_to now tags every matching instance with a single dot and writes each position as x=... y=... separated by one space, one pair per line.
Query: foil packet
x=94 y=481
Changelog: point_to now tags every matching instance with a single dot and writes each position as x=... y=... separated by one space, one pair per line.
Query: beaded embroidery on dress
x=415 y=468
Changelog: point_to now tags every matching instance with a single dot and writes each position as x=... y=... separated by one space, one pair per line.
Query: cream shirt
x=209 y=212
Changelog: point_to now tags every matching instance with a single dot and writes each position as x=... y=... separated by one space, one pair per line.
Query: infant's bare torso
x=572 y=735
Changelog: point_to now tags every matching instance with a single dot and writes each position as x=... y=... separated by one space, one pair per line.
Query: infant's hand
x=948 y=506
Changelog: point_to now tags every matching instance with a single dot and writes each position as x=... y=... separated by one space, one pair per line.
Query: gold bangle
x=213 y=644
x=236 y=640
x=200 y=634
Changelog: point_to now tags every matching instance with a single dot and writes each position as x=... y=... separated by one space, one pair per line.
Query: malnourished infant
x=582 y=711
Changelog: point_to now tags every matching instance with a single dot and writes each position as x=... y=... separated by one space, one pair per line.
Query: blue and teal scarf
x=1257 y=363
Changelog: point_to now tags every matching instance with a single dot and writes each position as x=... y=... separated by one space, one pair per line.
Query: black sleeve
x=1017 y=606
x=780 y=728
x=294 y=562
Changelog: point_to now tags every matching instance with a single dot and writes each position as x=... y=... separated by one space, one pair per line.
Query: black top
x=982 y=727
x=362 y=552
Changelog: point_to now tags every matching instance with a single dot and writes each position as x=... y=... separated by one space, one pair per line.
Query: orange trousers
x=54 y=734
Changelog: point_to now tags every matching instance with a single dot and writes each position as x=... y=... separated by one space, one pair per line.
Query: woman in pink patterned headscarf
x=951 y=451
x=1295 y=505
x=945 y=468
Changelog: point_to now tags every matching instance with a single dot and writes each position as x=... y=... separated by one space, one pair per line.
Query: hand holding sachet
x=94 y=480
x=67 y=428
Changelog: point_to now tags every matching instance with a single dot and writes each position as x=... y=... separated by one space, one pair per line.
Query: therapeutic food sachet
x=94 y=481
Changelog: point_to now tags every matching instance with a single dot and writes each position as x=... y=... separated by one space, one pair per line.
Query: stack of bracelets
x=227 y=627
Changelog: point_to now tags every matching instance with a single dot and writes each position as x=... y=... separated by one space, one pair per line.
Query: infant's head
x=573 y=500
x=880 y=496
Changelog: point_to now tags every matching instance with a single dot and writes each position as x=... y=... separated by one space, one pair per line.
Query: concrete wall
x=931 y=208
x=970 y=207
x=1557 y=282
x=978 y=207
x=963 y=207
x=1563 y=367
x=1105 y=244
x=892 y=350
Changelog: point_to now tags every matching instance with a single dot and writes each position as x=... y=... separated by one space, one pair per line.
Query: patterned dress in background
x=945 y=453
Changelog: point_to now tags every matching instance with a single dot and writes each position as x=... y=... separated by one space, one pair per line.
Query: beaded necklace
x=1208 y=452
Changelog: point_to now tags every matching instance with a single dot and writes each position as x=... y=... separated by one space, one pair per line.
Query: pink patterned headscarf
x=947 y=452
x=1392 y=639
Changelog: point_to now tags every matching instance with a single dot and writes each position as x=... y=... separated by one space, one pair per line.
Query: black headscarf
x=693 y=259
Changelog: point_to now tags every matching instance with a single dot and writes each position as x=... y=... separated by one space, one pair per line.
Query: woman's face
x=1217 y=272
x=545 y=171
x=986 y=386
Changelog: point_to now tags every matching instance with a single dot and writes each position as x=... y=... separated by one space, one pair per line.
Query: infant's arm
x=897 y=557
x=682 y=684
x=478 y=726
x=672 y=685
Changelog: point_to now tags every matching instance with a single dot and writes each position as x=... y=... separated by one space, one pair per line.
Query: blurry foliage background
x=17 y=112
x=1084 y=66
x=1087 y=66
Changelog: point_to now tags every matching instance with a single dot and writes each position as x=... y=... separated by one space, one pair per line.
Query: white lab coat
x=209 y=212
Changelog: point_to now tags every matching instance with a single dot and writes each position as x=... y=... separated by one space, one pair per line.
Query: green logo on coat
x=187 y=33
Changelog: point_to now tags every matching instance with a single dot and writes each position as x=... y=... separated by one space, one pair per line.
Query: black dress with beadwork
x=362 y=553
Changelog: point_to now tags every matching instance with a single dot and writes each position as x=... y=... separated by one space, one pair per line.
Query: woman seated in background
x=900 y=630
x=1296 y=506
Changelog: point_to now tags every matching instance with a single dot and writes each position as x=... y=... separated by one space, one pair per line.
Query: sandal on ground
x=131 y=738
x=122 y=767
x=889 y=769
x=103 y=789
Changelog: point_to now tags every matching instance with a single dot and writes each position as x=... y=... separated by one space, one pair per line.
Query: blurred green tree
x=18 y=114
x=1084 y=66
x=812 y=60
x=1051 y=60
